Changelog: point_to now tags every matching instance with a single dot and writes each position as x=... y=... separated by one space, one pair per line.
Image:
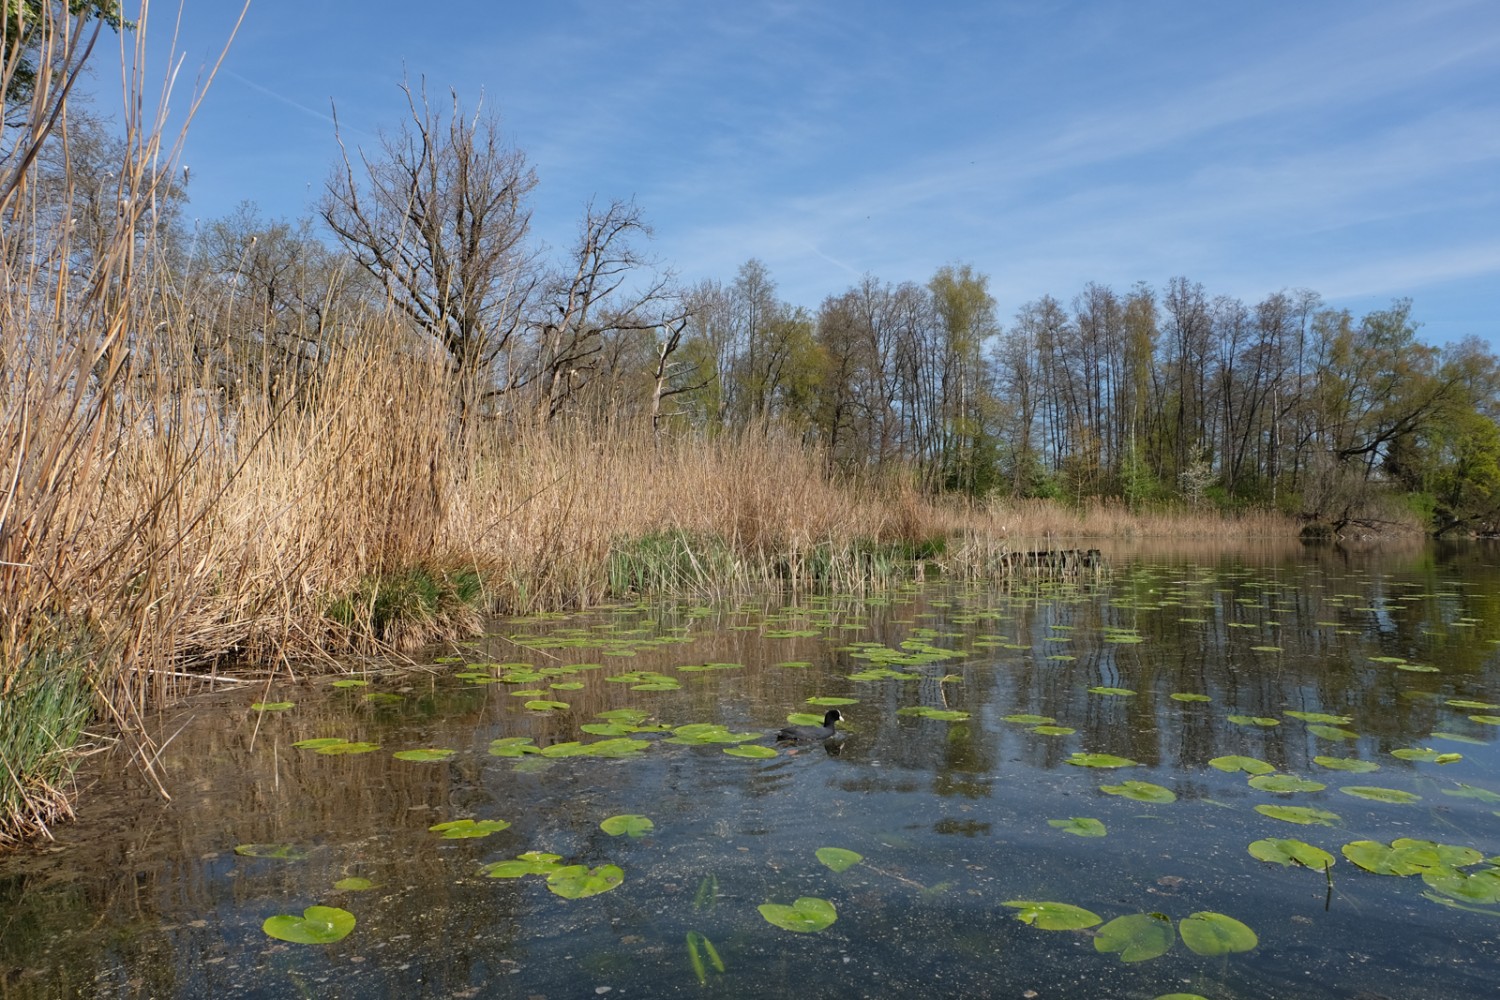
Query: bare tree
x=438 y=215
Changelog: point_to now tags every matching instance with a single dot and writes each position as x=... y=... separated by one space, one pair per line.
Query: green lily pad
x=1140 y=791
x=630 y=824
x=1081 y=759
x=1235 y=762
x=1116 y=692
x=354 y=884
x=464 y=829
x=1394 y=796
x=317 y=925
x=1287 y=852
x=1285 y=783
x=1480 y=888
x=579 y=881
x=1053 y=916
x=272 y=706
x=837 y=858
x=282 y=852
x=512 y=746
x=1427 y=756
x=752 y=751
x=1136 y=937
x=1188 y=696
x=544 y=705
x=429 y=754
x=832 y=702
x=350 y=682
x=1030 y=720
x=1332 y=733
x=1053 y=730
x=530 y=863
x=1464 y=791
x=1348 y=764
x=807 y=915
x=1209 y=933
x=1253 y=720
x=928 y=712
x=1079 y=826
x=1321 y=717
x=1301 y=815
x=1488 y=720
x=319 y=743
x=1480 y=706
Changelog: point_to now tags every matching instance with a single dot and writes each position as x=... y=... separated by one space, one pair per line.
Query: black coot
x=823 y=732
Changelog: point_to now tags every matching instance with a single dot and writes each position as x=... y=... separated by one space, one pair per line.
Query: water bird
x=792 y=734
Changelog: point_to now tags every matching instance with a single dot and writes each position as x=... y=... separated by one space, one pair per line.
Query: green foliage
x=317 y=925
x=413 y=603
x=45 y=708
x=1053 y=916
x=807 y=915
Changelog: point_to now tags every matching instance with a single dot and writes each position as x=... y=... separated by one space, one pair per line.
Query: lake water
x=951 y=814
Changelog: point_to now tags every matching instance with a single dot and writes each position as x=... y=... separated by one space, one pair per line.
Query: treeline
x=1146 y=394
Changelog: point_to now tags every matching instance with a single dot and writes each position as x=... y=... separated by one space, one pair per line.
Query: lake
x=1087 y=788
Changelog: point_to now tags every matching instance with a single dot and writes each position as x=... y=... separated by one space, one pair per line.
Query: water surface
x=143 y=897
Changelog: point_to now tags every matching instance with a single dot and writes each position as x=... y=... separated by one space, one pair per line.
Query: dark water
x=147 y=898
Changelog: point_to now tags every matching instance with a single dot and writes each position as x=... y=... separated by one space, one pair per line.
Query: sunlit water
x=146 y=898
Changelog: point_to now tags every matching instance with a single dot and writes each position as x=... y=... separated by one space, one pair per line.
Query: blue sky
x=1348 y=147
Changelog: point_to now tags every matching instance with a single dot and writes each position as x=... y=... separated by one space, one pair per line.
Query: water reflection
x=146 y=898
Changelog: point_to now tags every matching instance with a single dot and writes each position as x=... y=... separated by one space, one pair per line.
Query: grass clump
x=412 y=607
x=45 y=704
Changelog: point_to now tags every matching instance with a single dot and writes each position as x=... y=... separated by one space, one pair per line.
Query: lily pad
x=350 y=682
x=1114 y=691
x=832 y=702
x=545 y=705
x=1136 y=937
x=838 y=858
x=1285 y=783
x=1053 y=916
x=807 y=915
x=1332 y=733
x=1394 y=796
x=1029 y=720
x=752 y=751
x=1254 y=720
x=1079 y=826
x=928 y=712
x=1188 y=696
x=1427 y=756
x=1348 y=764
x=1287 y=852
x=1301 y=815
x=1053 y=730
x=281 y=852
x=1140 y=791
x=629 y=824
x=1209 y=933
x=272 y=706
x=579 y=881
x=1081 y=759
x=1235 y=762
x=512 y=746
x=1321 y=717
x=429 y=754
x=317 y=925
x=464 y=829
x=354 y=884
x=530 y=863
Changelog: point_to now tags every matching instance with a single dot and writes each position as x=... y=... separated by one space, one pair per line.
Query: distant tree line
x=1145 y=394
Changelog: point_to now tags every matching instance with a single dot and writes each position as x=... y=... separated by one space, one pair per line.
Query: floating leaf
x=430 y=754
x=1140 y=791
x=579 y=881
x=630 y=824
x=1285 y=783
x=837 y=858
x=1117 y=692
x=1464 y=791
x=1301 y=815
x=282 y=852
x=272 y=706
x=1030 y=720
x=1079 y=826
x=1488 y=720
x=319 y=743
x=830 y=702
x=512 y=746
x=1209 y=933
x=1481 y=887
x=928 y=712
x=1136 y=937
x=805 y=916
x=1053 y=730
x=1470 y=703
x=1290 y=852
x=317 y=925
x=1347 y=764
x=1427 y=756
x=752 y=751
x=1253 y=720
x=1332 y=733
x=1265 y=649
x=354 y=884
x=1053 y=916
x=1323 y=717
x=1235 y=762
x=1188 y=696
x=543 y=705
x=1394 y=796
x=350 y=682
x=463 y=829
x=1081 y=759
x=530 y=863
